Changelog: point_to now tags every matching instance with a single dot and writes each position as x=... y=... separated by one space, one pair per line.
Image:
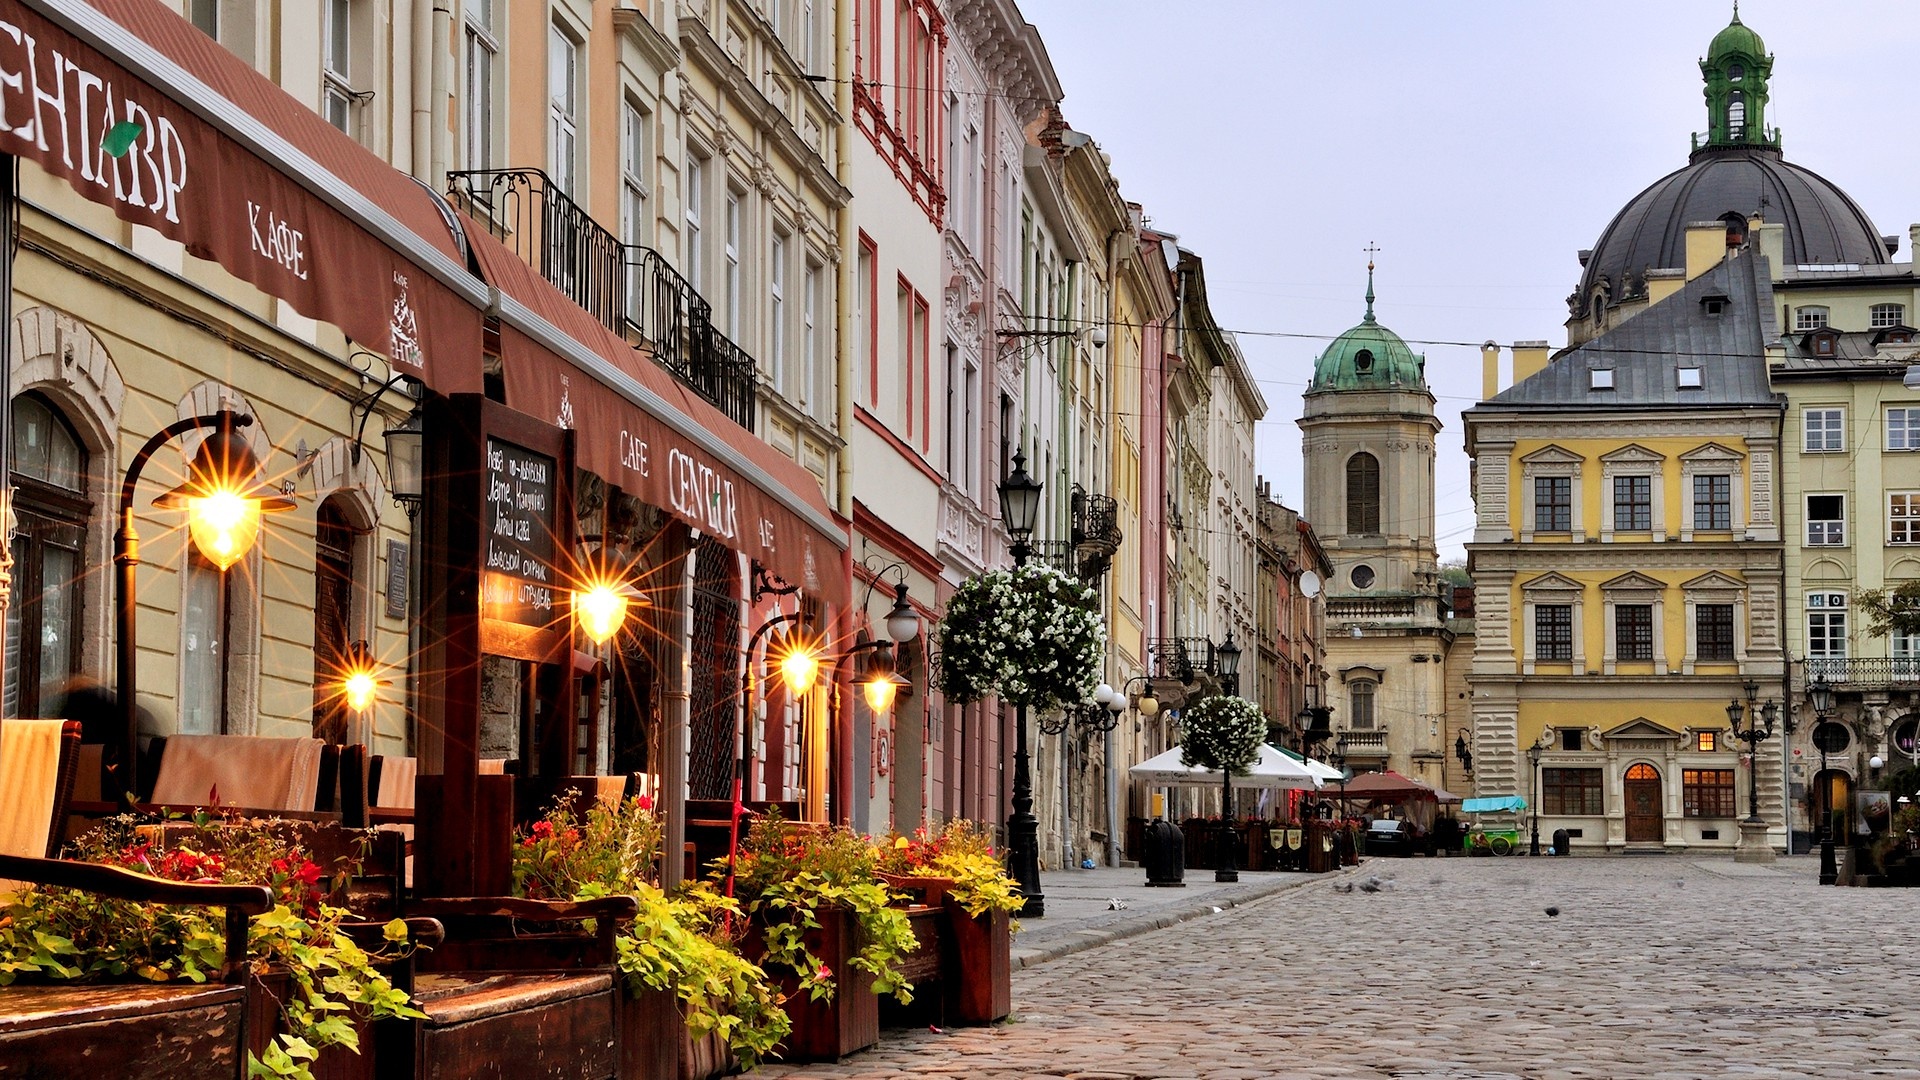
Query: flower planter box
x=92 y=1032
x=266 y=995
x=979 y=977
x=651 y=1032
x=704 y=1058
x=849 y=1021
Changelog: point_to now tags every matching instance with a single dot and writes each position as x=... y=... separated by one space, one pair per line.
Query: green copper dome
x=1736 y=40
x=1368 y=357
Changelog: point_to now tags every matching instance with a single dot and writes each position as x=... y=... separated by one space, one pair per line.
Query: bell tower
x=1736 y=71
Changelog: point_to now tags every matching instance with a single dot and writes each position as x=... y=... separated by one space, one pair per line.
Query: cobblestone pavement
x=1655 y=967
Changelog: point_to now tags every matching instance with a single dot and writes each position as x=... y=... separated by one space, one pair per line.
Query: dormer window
x=1825 y=344
x=1715 y=304
x=1690 y=378
x=1601 y=378
x=1363 y=361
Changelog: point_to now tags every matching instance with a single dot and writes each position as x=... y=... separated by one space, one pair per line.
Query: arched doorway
x=1832 y=795
x=714 y=712
x=1646 y=823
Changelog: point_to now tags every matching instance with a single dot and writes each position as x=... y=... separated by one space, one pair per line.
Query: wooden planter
x=266 y=997
x=979 y=974
x=849 y=1021
x=651 y=1032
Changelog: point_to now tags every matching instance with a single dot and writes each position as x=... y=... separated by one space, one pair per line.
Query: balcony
x=1095 y=533
x=1877 y=673
x=1366 y=744
x=1180 y=660
x=630 y=289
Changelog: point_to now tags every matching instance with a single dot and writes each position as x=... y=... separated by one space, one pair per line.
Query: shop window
x=1707 y=793
x=1571 y=792
x=50 y=581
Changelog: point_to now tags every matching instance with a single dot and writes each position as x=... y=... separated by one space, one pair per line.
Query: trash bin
x=1165 y=856
x=1562 y=843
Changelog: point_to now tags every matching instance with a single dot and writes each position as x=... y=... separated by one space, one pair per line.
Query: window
x=636 y=141
x=1713 y=632
x=776 y=346
x=866 y=35
x=563 y=57
x=1600 y=379
x=1903 y=429
x=1712 y=503
x=1824 y=430
x=1826 y=520
x=1706 y=741
x=1362 y=576
x=203 y=649
x=1363 y=361
x=903 y=348
x=1690 y=378
x=1903 y=517
x=1553 y=504
x=923 y=343
x=1883 y=316
x=1809 y=318
x=695 y=199
x=1571 y=792
x=1707 y=792
x=1737 y=115
x=1363 y=494
x=482 y=49
x=336 y=92
x=810 y=337
x=1905 y=651
x=809 y=38
x=333 y=580
x=1570 y=739
x=1632 y=503
x=1633 y=632
x=730 y=251
x=1360 y=704
x=1553 y=632
x=50 y=467
x=1826 y=634
x=866 y=329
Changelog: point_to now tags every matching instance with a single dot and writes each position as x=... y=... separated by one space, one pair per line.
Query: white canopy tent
x=1272 y=770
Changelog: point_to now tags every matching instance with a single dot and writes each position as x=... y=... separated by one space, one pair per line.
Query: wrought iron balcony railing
x=1180 y=659
x=1055 y=553
x=1865 y=673
x=629 y=289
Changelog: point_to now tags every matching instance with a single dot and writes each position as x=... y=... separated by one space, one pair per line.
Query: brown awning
x=639 y=429
x=267 y=189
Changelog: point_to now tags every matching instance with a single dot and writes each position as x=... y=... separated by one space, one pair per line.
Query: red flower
x=646 y=802
x=543 y=829
x=825 y=972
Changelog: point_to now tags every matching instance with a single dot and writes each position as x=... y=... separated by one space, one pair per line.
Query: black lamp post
x=1020 y=509
x=1822 y=697
x=1227 y=665
x=1753 y=735
x=224 y=498
x=1533 y=770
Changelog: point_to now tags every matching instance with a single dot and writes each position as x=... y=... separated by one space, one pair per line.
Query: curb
x=1082 y=940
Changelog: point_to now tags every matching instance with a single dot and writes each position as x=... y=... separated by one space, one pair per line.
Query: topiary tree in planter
x=1224 y=733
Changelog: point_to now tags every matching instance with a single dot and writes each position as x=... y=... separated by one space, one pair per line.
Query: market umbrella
x=1388 y=786
x=1272 y=770
x=1327 y=773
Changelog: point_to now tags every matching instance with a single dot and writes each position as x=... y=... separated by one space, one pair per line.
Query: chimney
x=1490 y=369
x=1706 y=246
x=1529 y=358
x=1771 y=239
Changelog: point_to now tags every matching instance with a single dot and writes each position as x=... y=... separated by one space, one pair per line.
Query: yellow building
x=1627 y=561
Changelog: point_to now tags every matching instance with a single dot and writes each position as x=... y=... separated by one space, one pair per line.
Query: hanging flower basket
x=1031 y=634
x=1223 y=733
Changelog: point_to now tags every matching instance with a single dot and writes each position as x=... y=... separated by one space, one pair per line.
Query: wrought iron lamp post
x=1227 y=666
x=1533 y=774
x=1822 y=697
x=1020 y=509
x=1760 y=722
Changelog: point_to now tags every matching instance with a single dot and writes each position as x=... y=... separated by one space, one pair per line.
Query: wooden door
x=1645 y=822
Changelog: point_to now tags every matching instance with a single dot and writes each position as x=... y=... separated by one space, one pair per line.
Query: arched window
x=49 y=572
x=1360 y=704
x=1363 y=494
x=1363 y=361
x=1736 y=72
x=333 y=578
x=1736 y=115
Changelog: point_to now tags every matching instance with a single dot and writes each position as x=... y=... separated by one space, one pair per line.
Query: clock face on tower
x=1362 y=576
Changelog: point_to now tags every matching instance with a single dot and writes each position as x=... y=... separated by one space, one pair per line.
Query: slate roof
x=1646 y=352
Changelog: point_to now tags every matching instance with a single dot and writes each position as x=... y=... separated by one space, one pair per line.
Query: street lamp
x=1533 y=775
x=1753 y=735
x=1226 y=661
x=1020 y=509
x=223 y=498
x=1821 y=695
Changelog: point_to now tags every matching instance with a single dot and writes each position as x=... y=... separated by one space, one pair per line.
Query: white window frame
x=778 y=248
x=1828 y=611
x=337 y=96
x=482 y=54
x=1823 y=429
x=694 y=202
x=1826 y=535
x=1885 y=316
x=1809 y=318
x=1903 y=428
x=810 y=297
x=1689 y=378
x=1903 y=518
x=563 y=109
x=735 y=229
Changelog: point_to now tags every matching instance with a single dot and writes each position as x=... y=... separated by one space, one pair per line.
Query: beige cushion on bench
x=248 y=771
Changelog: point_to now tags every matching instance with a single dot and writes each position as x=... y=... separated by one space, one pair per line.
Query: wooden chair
x=38 y=762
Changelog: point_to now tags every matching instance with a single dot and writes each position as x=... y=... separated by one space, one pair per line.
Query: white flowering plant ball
x=1223 y=733
x=1032 y=634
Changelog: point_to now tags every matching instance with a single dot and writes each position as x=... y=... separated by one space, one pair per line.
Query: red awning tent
x=1414 y=799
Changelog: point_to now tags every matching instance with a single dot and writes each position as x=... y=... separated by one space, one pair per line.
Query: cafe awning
x=141 y=112
x=640 y=429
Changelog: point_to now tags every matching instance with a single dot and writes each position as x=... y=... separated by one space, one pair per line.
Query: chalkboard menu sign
x=518 y=579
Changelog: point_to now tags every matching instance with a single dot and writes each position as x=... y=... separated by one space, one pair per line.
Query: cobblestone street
x=1654 y=968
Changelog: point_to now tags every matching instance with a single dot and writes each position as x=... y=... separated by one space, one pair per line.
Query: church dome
x=1736 y=173
x=1368 y=357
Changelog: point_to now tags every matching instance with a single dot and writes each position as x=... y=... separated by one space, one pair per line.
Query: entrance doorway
x=1645 y=822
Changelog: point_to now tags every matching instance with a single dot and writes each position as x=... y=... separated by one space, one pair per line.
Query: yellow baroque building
x=1628 y=560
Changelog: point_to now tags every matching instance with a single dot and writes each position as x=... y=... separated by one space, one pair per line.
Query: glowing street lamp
x=360 y=682
x=601 y=608
x=800 y=667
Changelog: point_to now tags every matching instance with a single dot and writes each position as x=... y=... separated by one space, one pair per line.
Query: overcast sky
x=1481 y=145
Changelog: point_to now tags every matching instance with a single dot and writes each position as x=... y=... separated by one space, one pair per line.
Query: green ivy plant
x=68 y=935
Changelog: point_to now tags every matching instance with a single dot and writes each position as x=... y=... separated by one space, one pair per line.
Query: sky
x=1480 y=145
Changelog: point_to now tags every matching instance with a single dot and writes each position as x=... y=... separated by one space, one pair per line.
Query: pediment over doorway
x=1640 y=728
